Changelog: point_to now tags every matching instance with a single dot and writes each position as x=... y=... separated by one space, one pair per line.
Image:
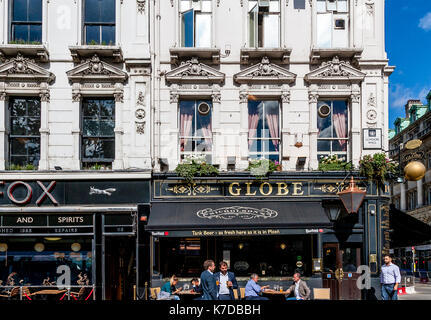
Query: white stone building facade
x=297 y=55
x=149 y=56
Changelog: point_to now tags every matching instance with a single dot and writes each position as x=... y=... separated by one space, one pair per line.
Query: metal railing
x=72 y=292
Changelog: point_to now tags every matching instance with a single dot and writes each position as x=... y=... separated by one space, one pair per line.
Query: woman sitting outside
x=169 y=291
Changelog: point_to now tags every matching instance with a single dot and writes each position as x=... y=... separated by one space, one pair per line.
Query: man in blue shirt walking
x=390 y=278
x=252 y=289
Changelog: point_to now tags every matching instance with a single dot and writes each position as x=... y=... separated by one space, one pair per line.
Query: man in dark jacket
x=226 y=283
x=300 y=289
x=208 y=281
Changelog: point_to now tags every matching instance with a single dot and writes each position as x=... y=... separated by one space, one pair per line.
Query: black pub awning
x=236 y=218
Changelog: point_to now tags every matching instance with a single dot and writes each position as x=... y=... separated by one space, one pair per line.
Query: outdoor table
x=188 y=295
x=47 y=292
x=274 y=295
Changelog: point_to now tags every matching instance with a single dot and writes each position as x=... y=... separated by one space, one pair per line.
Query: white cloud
x=425 y=22
x=399 y=95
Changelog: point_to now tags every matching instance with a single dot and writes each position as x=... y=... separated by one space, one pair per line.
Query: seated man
x=252 y=289
x=195 y=286
x=300 y=289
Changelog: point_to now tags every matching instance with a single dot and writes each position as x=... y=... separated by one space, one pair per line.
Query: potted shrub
x=378 y=167
x=332 y=163
x=192 y=167
x=260 y=168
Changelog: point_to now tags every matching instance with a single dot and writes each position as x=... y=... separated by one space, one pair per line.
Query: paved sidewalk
x=423 y=292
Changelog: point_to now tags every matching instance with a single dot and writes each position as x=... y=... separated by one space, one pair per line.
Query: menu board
x=44 y=224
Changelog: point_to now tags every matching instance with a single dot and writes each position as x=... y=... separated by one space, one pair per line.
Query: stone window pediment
x=24 y=69
x=265 y=72
x=335 y=70
x=95 y=70
x=193 y=71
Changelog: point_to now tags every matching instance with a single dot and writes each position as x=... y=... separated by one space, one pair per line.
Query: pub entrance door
x=119 y=268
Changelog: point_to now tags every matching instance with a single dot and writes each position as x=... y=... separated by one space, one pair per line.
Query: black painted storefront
x=288 y=211
x=89 y=225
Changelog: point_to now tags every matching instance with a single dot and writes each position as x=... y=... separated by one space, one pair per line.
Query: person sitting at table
x=300 y=289
x=252 y=289
x=195 y=286
x=169 y=288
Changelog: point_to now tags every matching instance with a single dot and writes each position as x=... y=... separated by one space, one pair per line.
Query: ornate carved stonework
x=372 y=101
x=356 y=98
x=3 y=96
x=243 y=97
x=141 y=5
x=216 y=97
x=194 y=71
x=370 y=7
x=141 y=99
x=76 y=97
x=372 y=115
x=44 y=96
x=119 y=96
x=313 y=97
x=265 y=72
x=335 y=70
x=140 y=128
x=285 y=97
x=140 y=114
x=25 y=69
x=174 y=97
x=20 y=65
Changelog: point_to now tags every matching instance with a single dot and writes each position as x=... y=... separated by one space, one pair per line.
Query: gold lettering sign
x=282 y=189
x=297 y=189
x=237 y=191
x=248 y=189
x=269 y=188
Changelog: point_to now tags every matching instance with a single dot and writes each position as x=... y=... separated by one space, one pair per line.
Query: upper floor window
x=98 y=137
x=332 y=123
x=99 y=22
x=264 y=23
x=264 y=129
x=24 y=135
x=332 y=23
x=196 y=23
x=195 y=128
x=26 y=23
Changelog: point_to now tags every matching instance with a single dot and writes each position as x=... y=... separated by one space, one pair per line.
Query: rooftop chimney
x=409 y=104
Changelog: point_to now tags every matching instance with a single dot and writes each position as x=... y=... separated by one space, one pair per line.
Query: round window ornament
x=204 y=108
x=324 y=111
x=3 y=247
x=39 y=247
x=76 y=246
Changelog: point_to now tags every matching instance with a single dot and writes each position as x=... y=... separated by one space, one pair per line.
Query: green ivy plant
x=333 y=163
x=378 y=167
x=24 y=167
x=22 y=41
x=98 y=166
x=262 y=167
x=192 y=167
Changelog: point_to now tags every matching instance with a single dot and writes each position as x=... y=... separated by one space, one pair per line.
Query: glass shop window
x=26 y=22
x=264 y=23
x=264 y=129
x=332 y=123
x=196 y=128
x=34 y=262
x=98 y=137
x=99 y=22
x=196 y=23
x=24 y=135
x=332 y=23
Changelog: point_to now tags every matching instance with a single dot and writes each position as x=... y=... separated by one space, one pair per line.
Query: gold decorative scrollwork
x=192 y=189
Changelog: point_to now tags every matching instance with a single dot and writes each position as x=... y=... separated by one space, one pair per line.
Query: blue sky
x=408 y=45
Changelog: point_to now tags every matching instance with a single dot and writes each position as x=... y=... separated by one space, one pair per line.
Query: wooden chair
x=26 y=292
x=155 y=292
x=80 y=294
x=242 y=290
x=13 y=293
x=322 y=293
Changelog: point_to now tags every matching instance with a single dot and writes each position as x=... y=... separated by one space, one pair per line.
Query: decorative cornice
x=243 y=97
x=20 y=67
x=119 y=96
x=44 y=96
x=335 y=70
x=265 y=72
x=194 y=71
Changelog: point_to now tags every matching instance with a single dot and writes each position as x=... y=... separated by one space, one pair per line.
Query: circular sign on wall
x=39 y=247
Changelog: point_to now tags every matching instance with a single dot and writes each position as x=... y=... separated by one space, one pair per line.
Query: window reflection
x=195 y=23
x=98 y=137
x=21 y=264
x=196 y=128
x=24 y=137
x=264 y=24
x=333 y=128
x=332 y=19
x=26 y=24
x=99 y=25
x=264 y=129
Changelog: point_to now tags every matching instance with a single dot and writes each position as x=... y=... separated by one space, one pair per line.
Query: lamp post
x=352 y=197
